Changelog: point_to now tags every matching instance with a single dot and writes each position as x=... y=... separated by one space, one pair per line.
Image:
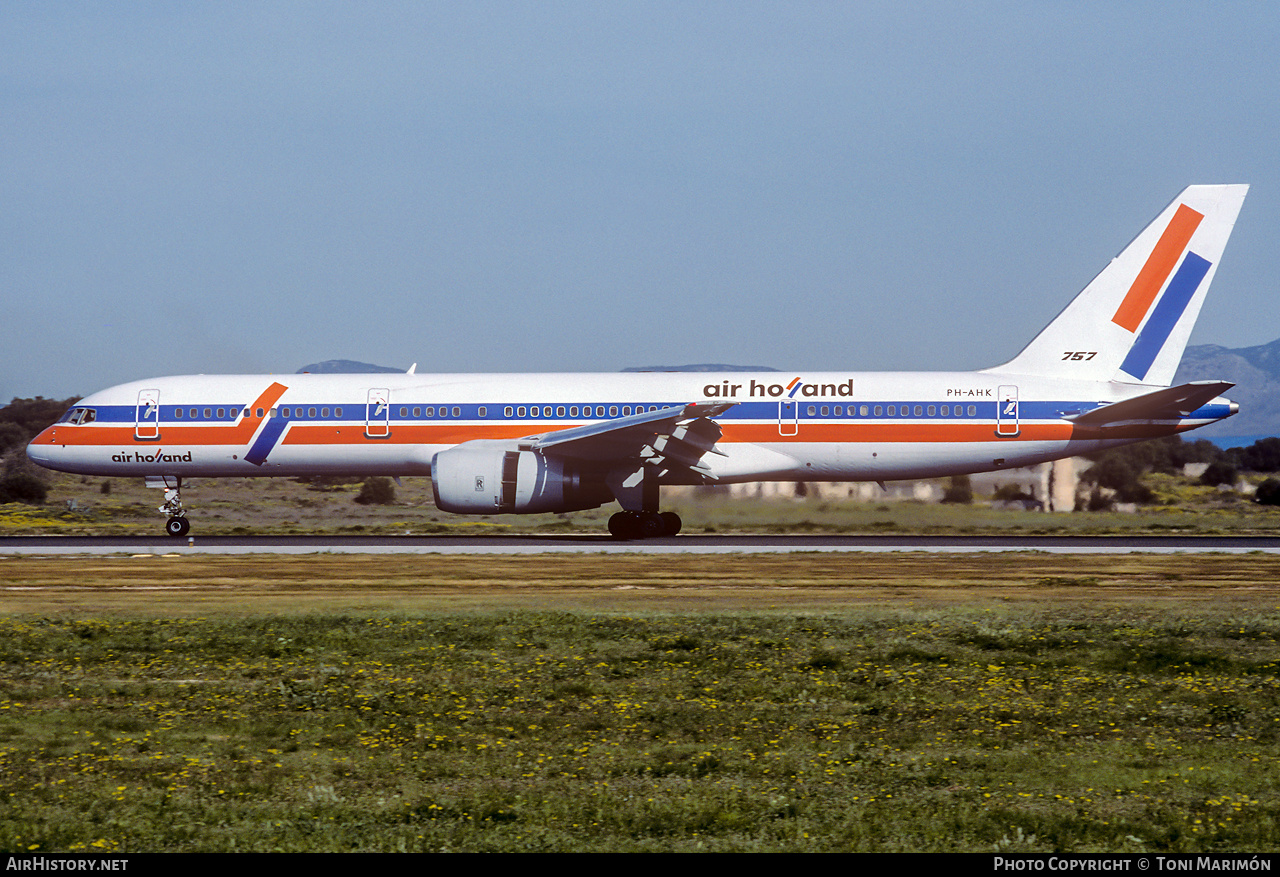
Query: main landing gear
x=644 y=525
x=177 y=524
x=637 y=491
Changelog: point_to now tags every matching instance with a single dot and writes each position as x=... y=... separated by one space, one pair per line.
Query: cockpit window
x=79 y=415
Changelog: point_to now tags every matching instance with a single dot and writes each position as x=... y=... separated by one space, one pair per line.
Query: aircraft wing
x=674 y=438
x=1172 y=403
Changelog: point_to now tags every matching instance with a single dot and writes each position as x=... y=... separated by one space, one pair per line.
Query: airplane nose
x=41 y=449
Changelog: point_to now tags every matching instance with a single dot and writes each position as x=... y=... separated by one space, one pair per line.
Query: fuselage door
x=1007 y=411
x=146 y=421
x=788 y=417
x=377 y=414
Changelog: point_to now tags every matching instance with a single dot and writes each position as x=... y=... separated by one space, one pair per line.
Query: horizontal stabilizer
x=1173 y=403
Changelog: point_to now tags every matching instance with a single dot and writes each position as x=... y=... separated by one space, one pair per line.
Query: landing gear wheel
x=177 y=527
x=671 y=523
x=623 y=525
x=651 y=525
x=643 y=525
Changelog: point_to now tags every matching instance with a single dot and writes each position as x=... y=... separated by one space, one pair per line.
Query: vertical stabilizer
x=1132 y=322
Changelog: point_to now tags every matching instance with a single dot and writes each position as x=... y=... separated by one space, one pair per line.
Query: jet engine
x=478 y=478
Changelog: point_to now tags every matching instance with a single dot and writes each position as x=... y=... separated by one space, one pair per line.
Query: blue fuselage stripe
x=266 y=440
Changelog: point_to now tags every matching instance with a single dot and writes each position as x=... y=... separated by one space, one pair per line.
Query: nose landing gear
x=177 y=524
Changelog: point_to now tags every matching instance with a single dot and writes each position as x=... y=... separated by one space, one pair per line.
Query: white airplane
x=1098 y=376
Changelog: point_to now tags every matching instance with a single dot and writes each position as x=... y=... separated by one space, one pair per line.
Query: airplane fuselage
x=833 y=426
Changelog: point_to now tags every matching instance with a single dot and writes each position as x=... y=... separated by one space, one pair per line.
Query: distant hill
x=345 y=367
x=701 y=367
x=1256 y=374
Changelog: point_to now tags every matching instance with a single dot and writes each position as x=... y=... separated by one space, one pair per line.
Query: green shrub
x=960 y=491
x=1219 y=473
x=1268 y=492
x=376 y=491
x=23 y=487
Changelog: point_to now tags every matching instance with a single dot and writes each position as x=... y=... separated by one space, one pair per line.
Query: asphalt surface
x=692 y=544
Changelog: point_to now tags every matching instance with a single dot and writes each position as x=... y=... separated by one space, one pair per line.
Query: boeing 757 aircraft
x=1098 y=376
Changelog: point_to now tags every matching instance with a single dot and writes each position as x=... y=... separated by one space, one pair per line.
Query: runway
x=588 y=544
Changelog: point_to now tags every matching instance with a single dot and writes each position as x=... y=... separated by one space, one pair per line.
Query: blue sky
x=546 y=186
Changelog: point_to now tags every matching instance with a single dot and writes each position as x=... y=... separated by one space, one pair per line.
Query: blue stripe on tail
x=1165 y=316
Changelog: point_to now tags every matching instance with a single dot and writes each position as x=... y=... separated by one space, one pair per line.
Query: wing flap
x=673 y=438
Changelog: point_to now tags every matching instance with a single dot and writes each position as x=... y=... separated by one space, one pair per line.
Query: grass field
x=282 y=506
x=783 y=702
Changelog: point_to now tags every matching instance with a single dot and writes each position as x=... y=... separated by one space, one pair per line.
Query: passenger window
x=933 y=410
x=431 y=411
x=417 y=410
x=573 y=410
x=533 y=410
x=599 y=411
x=482 y=411
x=457 y=412
x=973 y=410
x=506 y=412
x=613 y=410
x=260 y=412
x=811 y=411
x=337 y=412
x=208 y=414
x=311 y=412
x=839 y=412
x=919 y=410
x=520 y=411
x=893 y=411
x=946 y=410
x=177 y=412
x=626 y=411
x=221 y=413
x=826 y=412
x=560 y=411
x=879 y=410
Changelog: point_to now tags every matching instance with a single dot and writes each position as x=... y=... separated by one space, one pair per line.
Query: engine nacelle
x=487 y=479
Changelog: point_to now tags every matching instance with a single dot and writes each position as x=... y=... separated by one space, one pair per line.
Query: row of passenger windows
x=546 y=410
x=892 y=411
x=194 y=413
x=430 y=411
x=312 y=413
x=233 y=413
x=86 y=415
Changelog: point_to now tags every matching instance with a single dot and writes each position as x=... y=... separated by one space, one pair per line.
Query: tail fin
x=1132 y=322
